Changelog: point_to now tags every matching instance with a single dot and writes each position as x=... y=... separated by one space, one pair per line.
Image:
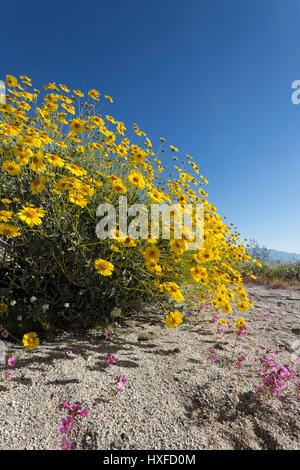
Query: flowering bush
x=61 y=159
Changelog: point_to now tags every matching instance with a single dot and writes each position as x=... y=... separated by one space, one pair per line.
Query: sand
x=175 y=397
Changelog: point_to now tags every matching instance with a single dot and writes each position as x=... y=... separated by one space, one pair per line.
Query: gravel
x=174 y=397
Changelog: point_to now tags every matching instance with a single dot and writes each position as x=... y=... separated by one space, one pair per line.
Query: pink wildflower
x=65 y=424
x=11 y=361
x=110 y=359
x=65 y=444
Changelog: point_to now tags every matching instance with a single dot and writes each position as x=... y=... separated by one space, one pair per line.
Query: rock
x=117 y=444
x=143 y=337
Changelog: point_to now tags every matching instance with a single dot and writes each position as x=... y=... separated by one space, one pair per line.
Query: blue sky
x=213 y=77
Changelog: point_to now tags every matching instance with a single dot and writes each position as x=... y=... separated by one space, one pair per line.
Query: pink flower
x=65 y=424
x=68 y=352
x=84 y=413
x=91 y=341
x=108 y=335
x=65 y=444
x=121 y=381
x=65 y=405
x=11 y=361
x=74 y=409
x=4 y=334
x=213 y=358
x=110 y=359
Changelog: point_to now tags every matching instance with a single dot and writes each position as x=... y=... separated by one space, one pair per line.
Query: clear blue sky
x=213 y=77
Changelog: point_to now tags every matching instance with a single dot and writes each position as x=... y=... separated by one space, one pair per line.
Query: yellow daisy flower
x=11 y=167
x=32 y=216
x=173 y=319
x=31 y=340
x=103 y=267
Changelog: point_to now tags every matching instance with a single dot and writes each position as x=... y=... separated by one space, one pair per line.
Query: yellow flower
x=128 y=242
x=31 y=340
x=199 y=274
x=37 y=163
x=76 y=170
x=55 y=160
x=76 y=198
x=32 y=216
x=68 y=108
x=178 y=246
x=119 y=187
x=78 y=93
x=103 y=267
x=5 y=215
x=139 y=156
x=9 y=230
x=226 y=307
x=173 y=319
x=240 y=323
x=77 y=125
x=242 y=306
x=136 y=179
x=173 y=291
x=94 y=94
x=108 y=98
x=37 y=185
x=23 y=155
x=11 y=167
x=114 y=248
x=62 y=184
x=11 y=81
x=3 y=307
x=64 y=88
x=152 y=252
x=153 y=267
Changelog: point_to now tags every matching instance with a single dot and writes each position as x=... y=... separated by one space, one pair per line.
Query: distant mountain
x=284 y=256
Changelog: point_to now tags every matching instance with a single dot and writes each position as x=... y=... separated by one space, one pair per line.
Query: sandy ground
x=174 y=397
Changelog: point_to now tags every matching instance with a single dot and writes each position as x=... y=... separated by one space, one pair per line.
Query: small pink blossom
x=65 y=424
x=110 y=359
x=11 y=361
x=65 y=444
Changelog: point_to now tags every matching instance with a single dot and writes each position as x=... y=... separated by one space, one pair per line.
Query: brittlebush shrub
x=61 y=159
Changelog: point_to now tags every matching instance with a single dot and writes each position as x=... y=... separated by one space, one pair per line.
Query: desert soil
x=175 y=397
